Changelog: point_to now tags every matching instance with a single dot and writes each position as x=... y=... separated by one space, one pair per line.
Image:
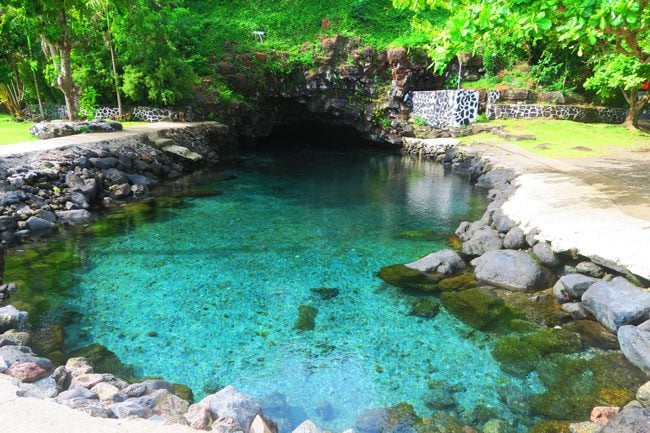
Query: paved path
x=601 y=207
x=55 y=143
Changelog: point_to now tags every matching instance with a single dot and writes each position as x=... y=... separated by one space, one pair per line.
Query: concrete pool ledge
x=571 y=214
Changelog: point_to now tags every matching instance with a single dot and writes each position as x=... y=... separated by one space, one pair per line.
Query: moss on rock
x=552 y=426
x=479 y=307
x=325 y=293
x=458 y=282
x=422 y=235
x=520 y=354
x=426 y=308
x=545 y=310
x=184 y=392
x=103 y=361
x=306 y=318
x=594 y=334
x=575 y=385
x=406 y=278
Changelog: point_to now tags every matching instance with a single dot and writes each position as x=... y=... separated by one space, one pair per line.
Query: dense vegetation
x=162 y=52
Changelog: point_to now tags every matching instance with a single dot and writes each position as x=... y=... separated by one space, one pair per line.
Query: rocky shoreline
x=504 y=257
x=63 y=186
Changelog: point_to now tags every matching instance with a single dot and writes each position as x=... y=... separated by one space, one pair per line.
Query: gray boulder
x=515 y=239
x=13 y=354
x=115 y=176
x=152 y=385
x=41 y=389
x=635 y=344
x=76 y=393
x=571 y=287
x=482 y=240
x=630 y=420
x=37 y=224
x=233 y=404
x=445 y=263
x=138 y=179
x=576 y=310
x=616 y=303
x=512 y=270
x=545 y=254
x=78 y=200
x=12 y=318
x=13 y=197
x=137 y=407
x=74 y=216
x=104 y=163
x=88 y=187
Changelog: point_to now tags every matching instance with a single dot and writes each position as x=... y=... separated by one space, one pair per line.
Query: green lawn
x=566 y=139
x=18 y=132
x=14 y=132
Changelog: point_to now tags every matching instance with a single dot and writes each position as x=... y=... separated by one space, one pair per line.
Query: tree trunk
x=636 y=107
x=115 y=79
x=33 y=67
x=66 y=84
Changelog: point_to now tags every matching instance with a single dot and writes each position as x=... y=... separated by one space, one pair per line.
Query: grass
x=14 y=132
x=18 y=132
x=562 y=139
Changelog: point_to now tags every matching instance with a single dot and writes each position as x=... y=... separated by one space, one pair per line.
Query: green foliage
x=419 y=121
x=616 y=71
x=87 y=103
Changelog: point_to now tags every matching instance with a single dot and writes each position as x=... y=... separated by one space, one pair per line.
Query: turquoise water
x=208 y=294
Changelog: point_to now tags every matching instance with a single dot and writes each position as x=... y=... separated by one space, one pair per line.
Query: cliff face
x=341 y=83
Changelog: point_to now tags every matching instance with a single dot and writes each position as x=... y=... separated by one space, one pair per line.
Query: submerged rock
x=552 y=426
x=407 y=278
x=325 y=293
x=616 y=303
x=480 y=307
x=400 y=418
x=307 y=427
x=458 y=282
x=422 y=235
x=426 y=308
x=575 y=385
x=512 y=270
x=306 y=318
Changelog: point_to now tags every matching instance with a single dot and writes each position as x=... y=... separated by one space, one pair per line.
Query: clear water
x=220 y=281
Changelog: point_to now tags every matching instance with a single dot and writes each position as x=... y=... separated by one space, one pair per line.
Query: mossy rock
x=388 y=420
x=482 y=414
x=454 y=243
x=103 y=361
x=426 y=308
x=440 y=422
x=594 y=334
x=406 y=278
x=184 y=392
x=458 y=282
x=325 y=293
x=516 y=357
x=306 y=318
x=168 y=202
x=551 y=426
x=545 y=311
x=478 y=307
x=47 y=340
x=576 y=385
x=519 y=354
x=421 y=235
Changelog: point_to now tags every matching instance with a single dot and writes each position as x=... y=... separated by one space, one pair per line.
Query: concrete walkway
x=577 y=204
x=72 y=140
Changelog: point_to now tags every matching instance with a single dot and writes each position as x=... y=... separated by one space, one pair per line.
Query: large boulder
x=13 y=354
x=444 y=263
x=616 y=303
x=635 y=344
x=233 y=404
x=512 y=270
x=571 y=287
x=630 y=420
x=87 y=187
x=75 y=216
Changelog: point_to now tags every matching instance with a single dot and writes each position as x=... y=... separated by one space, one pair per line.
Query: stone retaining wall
x=144 y=114
x=563 y=112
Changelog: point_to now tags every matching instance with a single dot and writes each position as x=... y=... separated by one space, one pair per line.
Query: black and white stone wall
x=145 y=114
x=563 y=112
x=444 y=108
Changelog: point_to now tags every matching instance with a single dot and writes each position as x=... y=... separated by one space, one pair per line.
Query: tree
x=610 y=30
x=51 y=19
